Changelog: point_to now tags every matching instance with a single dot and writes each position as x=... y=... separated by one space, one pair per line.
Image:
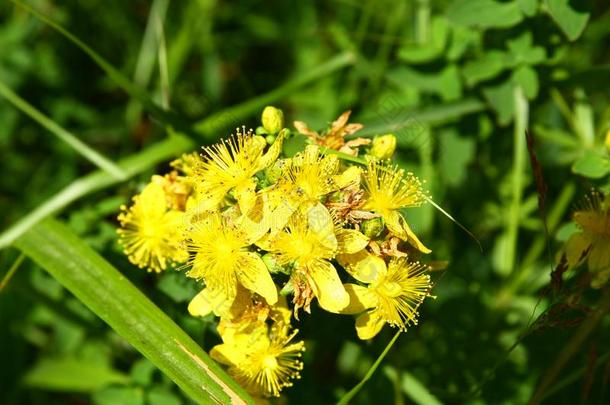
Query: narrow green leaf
x=96 y=181
x=69 y=374
x=107 y=293
x=228 y=117
x=90 y=154
x=389 y=118
x=119 y=78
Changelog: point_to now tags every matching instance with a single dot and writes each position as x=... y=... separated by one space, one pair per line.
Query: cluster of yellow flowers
x=592 y=242
x=257 y=227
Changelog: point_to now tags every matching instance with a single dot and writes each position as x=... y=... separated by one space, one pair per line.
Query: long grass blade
x=229 y=116
x=119 y=78
x=97 y=180
x=79 y=146
x=111 y=296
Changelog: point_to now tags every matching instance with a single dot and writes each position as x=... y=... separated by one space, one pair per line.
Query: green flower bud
x=273 y=173
x=373 y=227
x=383 y=146
x=287 y=289
x=272 y=265
x=272 y=119
x=270 y=139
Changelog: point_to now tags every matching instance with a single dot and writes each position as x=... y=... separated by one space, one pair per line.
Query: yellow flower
x=593 y=241
x=305 y=181
x=309 y=243
x=388 y=190
x=231 y=165
x=392 y=296
x=262 y=358
x=220 y=255
x=151 y=233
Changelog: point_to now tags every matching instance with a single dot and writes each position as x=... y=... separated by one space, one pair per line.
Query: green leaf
x=523 y=51
x=119 y=396
x=162 y=396
x=456 y=153
x=178 y=287
x=119 y=303
x=485 y=13
x=500 y=97
x=570 y=15
x=527 y=78
x=488 y=66
x=69 y=374
x=142 y=372
x=528 y=7
x=421 y=53
x=591 y=164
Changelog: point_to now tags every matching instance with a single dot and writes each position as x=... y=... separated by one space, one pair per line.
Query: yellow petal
x=599 y=256
x=228 y=354
x=327 y=286
x=360 y=299
x=363 y=266
x=152 y=200
x=351 y=176
x=399 y=227
x=368 y=325
x=209 y=300
x=351 y=240
x=253 y=275
x=575 y=247
x=245 y=195
x=274 y=151
x=320 y=222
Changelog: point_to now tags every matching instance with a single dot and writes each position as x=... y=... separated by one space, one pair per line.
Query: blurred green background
x=457 y=81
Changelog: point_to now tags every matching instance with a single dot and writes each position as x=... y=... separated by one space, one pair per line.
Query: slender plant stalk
x=352 y=393
x=97 y=180
x=130 y=313
x=11 y=272
x=571 y=348
x=519 y=150
x=79 y=146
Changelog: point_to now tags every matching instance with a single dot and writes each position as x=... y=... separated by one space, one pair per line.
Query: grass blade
x=97 y=180
x=390 y=119
x=230 y=116
x=129 y=312
x=90 y=154
x=119 y=78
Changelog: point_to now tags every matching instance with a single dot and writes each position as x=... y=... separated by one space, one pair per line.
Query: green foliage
x=127 y=86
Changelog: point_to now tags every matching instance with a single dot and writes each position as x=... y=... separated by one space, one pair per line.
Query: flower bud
x=272 y=265
x=373 y=227
x=383 y=146
x=272 y=119
x=607 y=140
